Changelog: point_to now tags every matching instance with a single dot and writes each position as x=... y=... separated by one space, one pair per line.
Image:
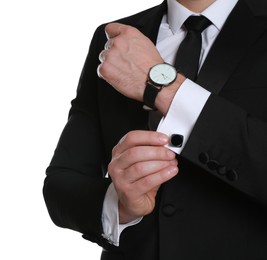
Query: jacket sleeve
x=231 y=144
x=75 y=185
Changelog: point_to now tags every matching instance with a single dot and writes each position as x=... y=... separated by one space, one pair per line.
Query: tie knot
x=197 y=23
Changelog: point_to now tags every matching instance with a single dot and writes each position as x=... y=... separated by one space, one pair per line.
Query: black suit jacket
x=216 y=207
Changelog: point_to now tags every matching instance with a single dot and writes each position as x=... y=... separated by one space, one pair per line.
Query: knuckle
x=107 y=27
x=114 y=150
x=148 y=182
x=130 y=153
x=129 y=135
x=133 y=135
x=100 y=69
x=111 y=169
x=103 y=68
x=122 y=139
x=114 y=168
x=137 y=168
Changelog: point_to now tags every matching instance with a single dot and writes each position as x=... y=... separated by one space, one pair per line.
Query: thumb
x=114 y=29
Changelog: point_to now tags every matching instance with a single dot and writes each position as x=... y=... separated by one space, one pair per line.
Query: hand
x=140 y=164
x=126 y=60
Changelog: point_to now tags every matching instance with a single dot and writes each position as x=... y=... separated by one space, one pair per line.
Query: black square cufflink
x=176 y=140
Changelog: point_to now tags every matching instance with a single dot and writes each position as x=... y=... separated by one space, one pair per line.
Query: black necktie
x=187 y=57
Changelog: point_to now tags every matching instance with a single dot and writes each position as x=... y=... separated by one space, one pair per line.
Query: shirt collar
x=217 y=13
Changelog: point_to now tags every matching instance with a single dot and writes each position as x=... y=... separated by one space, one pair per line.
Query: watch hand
x=163 y=76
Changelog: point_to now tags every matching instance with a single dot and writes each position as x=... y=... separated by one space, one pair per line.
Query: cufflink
x=176 y=140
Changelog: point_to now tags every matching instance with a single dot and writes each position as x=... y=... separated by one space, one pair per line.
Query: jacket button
x=176 y=140
x=221 y=170
x=168 y=210
x=213 y=165
x=204 y=158
x=232 y=175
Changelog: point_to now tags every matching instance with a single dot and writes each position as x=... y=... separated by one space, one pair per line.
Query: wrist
x=166 y=95
x=125 y=216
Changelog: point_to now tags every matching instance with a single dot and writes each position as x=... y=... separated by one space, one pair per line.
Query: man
x=214 y=127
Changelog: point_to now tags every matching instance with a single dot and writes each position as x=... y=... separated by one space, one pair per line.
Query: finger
x=144 y=154
x=114 y=29
x=108 y=44
x=140 y=138
x=98 y=71
x=102 y=55
x=152 y=181
x=143 y=169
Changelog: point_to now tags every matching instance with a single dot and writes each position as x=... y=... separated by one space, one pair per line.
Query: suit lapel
x=240 y=31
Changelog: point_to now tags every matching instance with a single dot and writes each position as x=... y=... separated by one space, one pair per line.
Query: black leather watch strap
x=150 y=95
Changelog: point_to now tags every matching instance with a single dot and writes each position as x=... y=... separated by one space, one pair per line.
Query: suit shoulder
x=140 y=17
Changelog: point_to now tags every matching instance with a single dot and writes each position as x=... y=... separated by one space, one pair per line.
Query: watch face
x=162 y=74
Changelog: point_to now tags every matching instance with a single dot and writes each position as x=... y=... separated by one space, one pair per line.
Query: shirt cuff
x=110 y=217
x=184 y=112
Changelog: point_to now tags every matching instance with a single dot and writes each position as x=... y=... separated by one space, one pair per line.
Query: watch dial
x=163 y=74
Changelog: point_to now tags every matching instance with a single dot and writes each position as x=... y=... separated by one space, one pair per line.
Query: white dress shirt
x=189 y=99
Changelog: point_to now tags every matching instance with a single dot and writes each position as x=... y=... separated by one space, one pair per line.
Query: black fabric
x=187 y=57
x=109 y=255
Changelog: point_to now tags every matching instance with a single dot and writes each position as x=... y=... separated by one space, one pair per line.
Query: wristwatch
x=159 y=76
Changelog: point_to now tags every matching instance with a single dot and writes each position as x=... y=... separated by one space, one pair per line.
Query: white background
x=43 y=45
